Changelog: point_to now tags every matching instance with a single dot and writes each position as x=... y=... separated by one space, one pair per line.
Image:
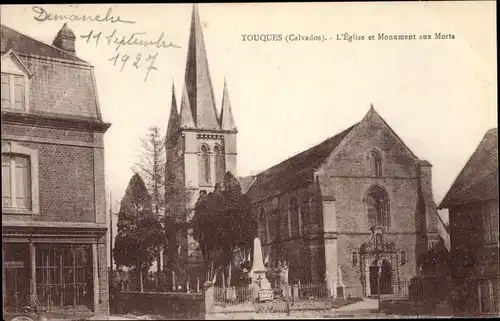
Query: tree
x=223 y=223
x=152 y=167
x=139 y=230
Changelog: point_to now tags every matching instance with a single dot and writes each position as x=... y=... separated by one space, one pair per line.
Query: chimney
x=65 y=40
x=424 y=170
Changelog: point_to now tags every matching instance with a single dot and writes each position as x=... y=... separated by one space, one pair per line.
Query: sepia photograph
x=327 y=160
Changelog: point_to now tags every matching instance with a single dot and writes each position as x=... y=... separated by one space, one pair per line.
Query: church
x=336 y=212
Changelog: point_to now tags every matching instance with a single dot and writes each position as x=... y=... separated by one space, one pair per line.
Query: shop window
x=64 y=275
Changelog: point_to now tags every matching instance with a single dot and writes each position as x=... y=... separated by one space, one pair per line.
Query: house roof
x=25 y=45
x=295 y=171
x=478 y=180
x=246 y=182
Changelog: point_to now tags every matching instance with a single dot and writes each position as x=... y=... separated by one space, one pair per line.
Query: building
x=200 y=149
x=54 y=244
x=337 y=211
x=472 y=202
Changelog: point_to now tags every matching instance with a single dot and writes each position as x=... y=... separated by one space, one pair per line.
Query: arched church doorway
x=385 y=278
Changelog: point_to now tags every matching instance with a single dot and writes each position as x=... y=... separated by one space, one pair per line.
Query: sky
x=439 y=96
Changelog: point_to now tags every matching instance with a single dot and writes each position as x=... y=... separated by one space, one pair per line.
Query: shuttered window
x=16 y=181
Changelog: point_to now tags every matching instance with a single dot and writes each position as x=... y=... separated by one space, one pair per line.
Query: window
x=403 y=258
x=64 y=275
x=294 y=218
x=16 y=181
x=271 y=228
x=19 y=179
x=204 y=165
x=219 y=164
x=378 y=207
x=277 y=226
x=490 y=224
x=431 y=244
x=488 y=296
x=304 y=215
x=262 y=226
x=13 y=92
x=354 y=258
x=274 y=227
x=375 y=164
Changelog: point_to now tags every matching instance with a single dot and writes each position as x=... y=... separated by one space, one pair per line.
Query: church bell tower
x=200 y=145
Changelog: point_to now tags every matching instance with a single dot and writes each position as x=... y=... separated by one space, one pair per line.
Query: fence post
x=287 y=294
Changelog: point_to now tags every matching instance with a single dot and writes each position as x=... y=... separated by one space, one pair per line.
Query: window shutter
x=23 y=182
x=5 y=92
x=19 y=92
x=6 y=182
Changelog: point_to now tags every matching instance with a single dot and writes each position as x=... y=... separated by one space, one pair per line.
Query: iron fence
x=232 y=295
x=310 y=291
x=292 y=293
x=402 y=290
x=151 y=282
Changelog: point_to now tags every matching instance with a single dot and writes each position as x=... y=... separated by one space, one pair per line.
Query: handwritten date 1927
x=137 y=62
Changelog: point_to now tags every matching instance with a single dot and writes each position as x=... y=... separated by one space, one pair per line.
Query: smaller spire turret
x=226 y=118
x=185 y=114
x=173 y=121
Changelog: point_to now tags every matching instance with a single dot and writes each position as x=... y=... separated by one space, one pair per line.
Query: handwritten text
x=137 y=62
x=129 y=40
x=43 y=15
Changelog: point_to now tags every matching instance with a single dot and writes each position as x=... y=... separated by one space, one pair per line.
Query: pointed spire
x=198 y=81
x=186 y=120
x=173 y=118
x=226 y=115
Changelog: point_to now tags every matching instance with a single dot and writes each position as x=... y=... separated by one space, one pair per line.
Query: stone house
x=54 y=244
x=472 y=202
x=335 y=212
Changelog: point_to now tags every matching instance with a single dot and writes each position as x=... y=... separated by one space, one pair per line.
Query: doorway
x=17 y=276
x=385 y=278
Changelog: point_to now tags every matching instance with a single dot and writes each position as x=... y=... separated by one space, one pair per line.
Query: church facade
x=201 y=148
x=337 y=211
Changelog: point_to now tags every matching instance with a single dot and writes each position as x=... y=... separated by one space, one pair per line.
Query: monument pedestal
x=261 y=287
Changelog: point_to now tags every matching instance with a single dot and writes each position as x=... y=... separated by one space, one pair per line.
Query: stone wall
x=168 y=305
x=67 y=180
